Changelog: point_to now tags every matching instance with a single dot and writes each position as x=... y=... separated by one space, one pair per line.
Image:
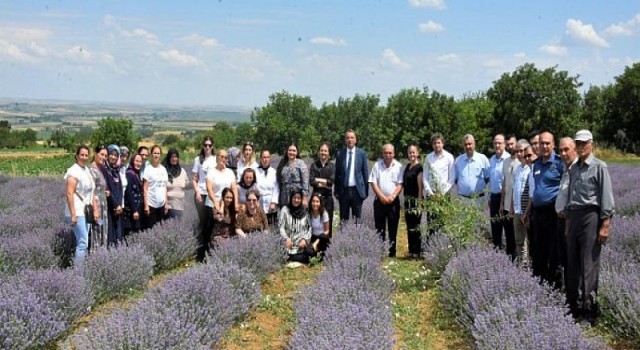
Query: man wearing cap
x=589 y=209
x=546 y=173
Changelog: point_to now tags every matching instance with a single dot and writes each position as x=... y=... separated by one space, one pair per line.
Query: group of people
x=115 y=195
x=554 y=210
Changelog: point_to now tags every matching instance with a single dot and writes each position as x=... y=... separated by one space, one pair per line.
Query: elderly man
x=438 y=176
x=568 y=155
x=546 y=174
x=496 y=179
x=589 y=209
x=350 y=186
x=386 y=182
x=472 y=170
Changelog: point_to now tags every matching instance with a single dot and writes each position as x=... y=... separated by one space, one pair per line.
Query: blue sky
x=238 y=52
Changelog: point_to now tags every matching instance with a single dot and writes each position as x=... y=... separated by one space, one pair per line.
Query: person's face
x=82 y=157
x=567 y=152
x=137 y=162
x=296 y=200
x=155 y=155
x=101 y=156
x=292 y=152
x=469 y=146
x=144 y=154
x=584 y=148
x=545 y=146
x=498 y=144
x=113 y=158
x=412 y=153
x=124 y=157
x=387 y=154
x=174 y=159
x=530 y=156
x=265 y=159
x=535 y=143
x=248 y=151
x=520 y=153
x=228 y=199
x=252 y=202
x=247 y=177
x=207 y=146
x=511 y=145
x=221 y=159
x=323 y=153
x=437 y=145
x=350 y=139
x=315 y=203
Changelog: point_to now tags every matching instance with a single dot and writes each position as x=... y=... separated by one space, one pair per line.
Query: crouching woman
x=295 y=228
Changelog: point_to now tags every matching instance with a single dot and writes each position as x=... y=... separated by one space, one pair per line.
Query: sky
x=237 y=53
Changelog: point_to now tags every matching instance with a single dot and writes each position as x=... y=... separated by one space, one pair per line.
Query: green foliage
x=245 y=132
x=117 y=131
x=17 y=138
x=530 y=99
x=29 y=166
x=171 y=139
x=623 y=125
x=461 y=220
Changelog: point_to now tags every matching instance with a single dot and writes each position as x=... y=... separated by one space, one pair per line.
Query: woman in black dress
x=412 y=181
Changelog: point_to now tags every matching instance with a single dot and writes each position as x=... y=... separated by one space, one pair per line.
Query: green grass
x=52 y=166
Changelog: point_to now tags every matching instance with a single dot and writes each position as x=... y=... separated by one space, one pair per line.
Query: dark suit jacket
x=361 y=172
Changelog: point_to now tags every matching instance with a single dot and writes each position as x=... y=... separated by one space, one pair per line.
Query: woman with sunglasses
x=205 y=160
x=252 y=219
x=247 y=159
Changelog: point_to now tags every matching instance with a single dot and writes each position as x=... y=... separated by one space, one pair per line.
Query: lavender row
x=349 y=307
x=193 y=309
x=502 y=307
x=620 y=279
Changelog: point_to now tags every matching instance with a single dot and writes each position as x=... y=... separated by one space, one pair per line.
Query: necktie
x=348 y=173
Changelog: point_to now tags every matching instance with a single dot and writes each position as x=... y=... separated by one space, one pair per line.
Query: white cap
x=583 y=135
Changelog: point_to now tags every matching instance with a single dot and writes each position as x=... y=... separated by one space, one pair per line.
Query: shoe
x=294 y=264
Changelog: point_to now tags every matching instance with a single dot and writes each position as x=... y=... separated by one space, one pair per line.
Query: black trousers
x=350 y=204
x=156 y=215
x=387 y=216
x=205 y=226
x=583 y=261
x=546 y=261
x=412 y=217
x=500 y=222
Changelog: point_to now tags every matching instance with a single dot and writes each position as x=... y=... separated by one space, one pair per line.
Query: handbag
x=88 y=211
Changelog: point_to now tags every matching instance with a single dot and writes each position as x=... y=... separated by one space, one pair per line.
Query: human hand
x=603 y=234
x=289 y=243
x=302 y=244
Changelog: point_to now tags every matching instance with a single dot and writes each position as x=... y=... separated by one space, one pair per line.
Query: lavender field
x=496 y=304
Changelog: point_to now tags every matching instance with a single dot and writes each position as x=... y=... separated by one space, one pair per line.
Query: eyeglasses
x=222 y=156
x=252 y=200
x=527 y=156
x=208 y=145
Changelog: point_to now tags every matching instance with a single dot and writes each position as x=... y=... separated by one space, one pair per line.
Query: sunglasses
x=208 y=145
x=252 y=200
x=527 y=156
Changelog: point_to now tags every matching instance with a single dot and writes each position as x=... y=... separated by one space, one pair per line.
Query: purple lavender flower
x=261 y=253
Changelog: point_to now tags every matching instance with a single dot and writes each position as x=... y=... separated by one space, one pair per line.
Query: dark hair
x=133 y=157
x=99 y=148
x=319 y=196
x=325 y=143
x=533 y=134
x=248 y=170
x=510 y=136
x=284 y=160
x=172 y=170
x=252 y=192
x=437 y=136
x=80 y=148
x=232 y=207
x=142 y=148
x=201 y=155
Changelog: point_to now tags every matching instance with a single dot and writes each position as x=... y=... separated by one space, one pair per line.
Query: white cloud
x=323 y=40
x=390 y=57
x=430 y=27
x=628 y=28
x=584 y=33
x=179 y=59
x=449 y=58
x=141 y=33
x=37 y=49
x=13 y=53
x=493 y=63
x=554 y=50
x=201 y=40
x=23 y=35
x=437 y=4
x=519 y=55
x=78 y=53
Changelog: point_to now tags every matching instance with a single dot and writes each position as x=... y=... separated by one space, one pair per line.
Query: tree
x=117 y=131
x=597 y=108
x=530 y=98
x=625 y=116
x=245 y=132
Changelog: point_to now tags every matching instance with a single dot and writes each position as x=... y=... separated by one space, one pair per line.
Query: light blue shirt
x=471 y=174
x=495 y=172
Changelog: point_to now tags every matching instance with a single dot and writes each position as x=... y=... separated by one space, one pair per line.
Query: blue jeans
x=82 y=238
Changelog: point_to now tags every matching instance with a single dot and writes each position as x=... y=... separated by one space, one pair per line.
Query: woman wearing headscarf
x=292 y=174
x=133 y=198
x=178 y=181
x=111 y=173
x=97 y=232
x=295 y=228
x=79 y=193
x=154 y=185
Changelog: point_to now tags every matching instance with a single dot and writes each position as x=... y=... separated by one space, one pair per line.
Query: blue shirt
x=471 y=174
x=546 y=177
x=495 y=172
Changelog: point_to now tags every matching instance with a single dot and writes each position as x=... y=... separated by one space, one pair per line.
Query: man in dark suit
x=352 y=171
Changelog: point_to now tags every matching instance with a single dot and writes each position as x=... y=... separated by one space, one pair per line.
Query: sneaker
x=294 y=264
